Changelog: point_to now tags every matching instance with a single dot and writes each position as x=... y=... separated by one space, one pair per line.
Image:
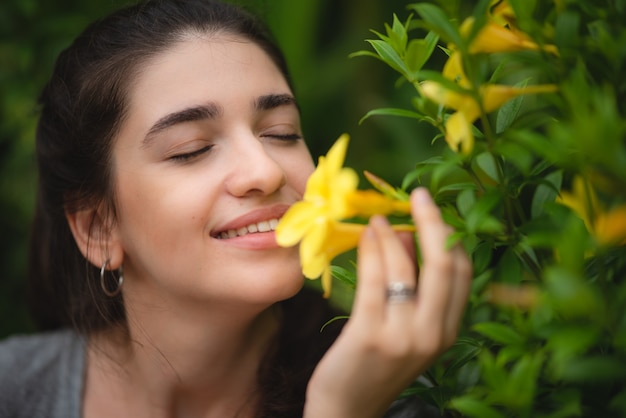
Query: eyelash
x=190 y=155
x=285 y=137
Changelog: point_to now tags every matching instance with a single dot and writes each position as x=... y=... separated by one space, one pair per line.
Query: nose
x=255 y=171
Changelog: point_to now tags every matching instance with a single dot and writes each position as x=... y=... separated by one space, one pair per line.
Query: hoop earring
x=120 y=281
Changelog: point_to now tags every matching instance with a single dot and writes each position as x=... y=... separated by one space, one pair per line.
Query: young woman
x=169 y=145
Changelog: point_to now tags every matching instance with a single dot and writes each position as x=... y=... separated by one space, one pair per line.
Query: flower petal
x=610 y=227
x=453 y=70
x=369 y=202
x=459 y=133
x=495 y=95
x=296 y=223
x=446 y=97
x=343 y=185
x=337 y=153
x=494 y=38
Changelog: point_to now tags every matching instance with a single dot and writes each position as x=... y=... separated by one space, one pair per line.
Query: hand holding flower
x=385 y=345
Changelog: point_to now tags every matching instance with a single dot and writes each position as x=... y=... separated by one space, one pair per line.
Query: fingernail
x=379 y=220
x=422 y=196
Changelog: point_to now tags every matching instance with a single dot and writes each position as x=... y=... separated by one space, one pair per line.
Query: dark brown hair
x=82 y=107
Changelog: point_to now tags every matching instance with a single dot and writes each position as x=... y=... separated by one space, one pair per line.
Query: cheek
x=301 y=176
x=158 y=207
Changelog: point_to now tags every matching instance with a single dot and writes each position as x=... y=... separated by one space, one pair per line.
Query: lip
x=255 y=216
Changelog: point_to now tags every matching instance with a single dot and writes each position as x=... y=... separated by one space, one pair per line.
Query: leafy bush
x=530 y=97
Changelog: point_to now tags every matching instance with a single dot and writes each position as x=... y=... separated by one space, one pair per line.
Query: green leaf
x=465 y=201
x=436 y=20
x=442 y=172
x=494 y=375
x=510 y=353
x=509 y=268
x=471 y=407
x=486 y=162
x=481 y=281
x=593 y=369
x=421 y=169
x=508 y=113
x=566 y=343
x=546 y=192
x=523 y=379
x=479 y=218
x=568 y=401
x=334 y=319
x=456 y=187
x=567 y=29
x=346 y=276
x=419 y=51
x=499 y=333
x=364 y=53
x=397 y=34
x=481 y=256
x=461 y=353
x=392 y=112
x=389 y=55
x=571 y=295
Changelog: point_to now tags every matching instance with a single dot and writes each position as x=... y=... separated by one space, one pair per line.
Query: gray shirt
x=42 y=375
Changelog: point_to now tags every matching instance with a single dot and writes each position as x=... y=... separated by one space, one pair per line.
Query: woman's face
x=208 y=159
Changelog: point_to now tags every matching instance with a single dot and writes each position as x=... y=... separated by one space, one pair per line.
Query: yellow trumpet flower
x=493 y=38
x=607 y=225
x=500 y=33
x=325 y=197
x=459 y=125
x=331 y=196
x=322 y=245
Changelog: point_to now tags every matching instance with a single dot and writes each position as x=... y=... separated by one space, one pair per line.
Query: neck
x=191 y=361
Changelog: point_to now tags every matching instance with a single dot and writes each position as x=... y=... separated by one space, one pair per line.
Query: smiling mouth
x=263 y=226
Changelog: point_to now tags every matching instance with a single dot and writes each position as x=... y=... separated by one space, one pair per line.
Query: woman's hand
x=387 y=343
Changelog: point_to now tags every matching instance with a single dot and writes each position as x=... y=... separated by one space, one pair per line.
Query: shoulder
x=18 y=349
x=41 y=374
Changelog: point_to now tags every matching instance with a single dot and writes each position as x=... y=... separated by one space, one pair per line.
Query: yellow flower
x=331 y=196
x=608 y=226
x=325 y=197
x=322 y=245
x=468 y=109
x=500 y=33
x=493 y=38
x=453 y=70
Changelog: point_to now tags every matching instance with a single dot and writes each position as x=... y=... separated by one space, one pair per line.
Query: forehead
x=205 y=67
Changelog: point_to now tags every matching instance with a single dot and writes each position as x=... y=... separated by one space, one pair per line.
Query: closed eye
x=283 y=137
x=190 y=155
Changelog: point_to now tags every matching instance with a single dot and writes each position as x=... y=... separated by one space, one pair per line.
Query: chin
x=271 y=291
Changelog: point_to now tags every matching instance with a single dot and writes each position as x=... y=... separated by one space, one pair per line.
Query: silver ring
x=400 y=292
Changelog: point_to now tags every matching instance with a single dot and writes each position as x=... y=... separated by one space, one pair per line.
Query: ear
x=97 y=237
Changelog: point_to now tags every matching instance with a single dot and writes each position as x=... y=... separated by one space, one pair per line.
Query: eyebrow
x=272 y=101
x=212 y=111
x=190 y=114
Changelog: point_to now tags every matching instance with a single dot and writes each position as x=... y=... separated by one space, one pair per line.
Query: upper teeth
x=263 y=226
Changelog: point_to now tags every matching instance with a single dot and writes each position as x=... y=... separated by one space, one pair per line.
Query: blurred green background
x=333 y=90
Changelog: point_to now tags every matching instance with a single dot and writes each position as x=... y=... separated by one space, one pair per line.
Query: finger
x=408 y=241
x=437 y=273
x=399 y=272
x=369 y=298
